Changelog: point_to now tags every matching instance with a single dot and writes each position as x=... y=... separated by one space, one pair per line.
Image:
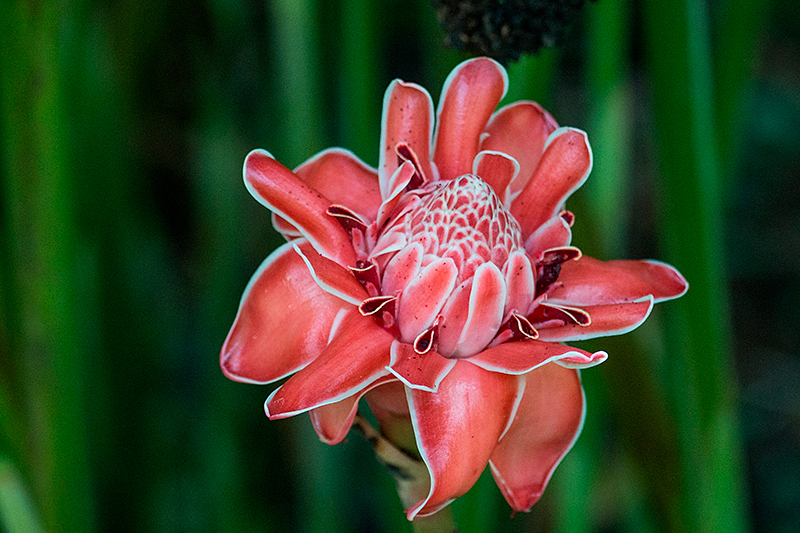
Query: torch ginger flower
x=444 y=279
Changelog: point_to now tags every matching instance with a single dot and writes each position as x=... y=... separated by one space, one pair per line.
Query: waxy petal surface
x=520 y=283
x=469 y=97
x=565 y=165
x=282 y=324
x=419 y=371
x=279 y=189
x=555 y=233
x=407 y=118
x=590 y=281
x=356 y=356
x=611 y=319
x=497 y=169
x=521 y=357
x=344 y=179
x=424 y=297
x=520 y=130
x=330 y=276
x=486 y=302
x=548 y=421
x=458 y=427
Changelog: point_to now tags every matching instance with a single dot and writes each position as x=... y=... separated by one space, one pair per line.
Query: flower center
x=462 y=219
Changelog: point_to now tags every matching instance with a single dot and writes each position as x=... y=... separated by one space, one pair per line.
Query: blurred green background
x=127 y=237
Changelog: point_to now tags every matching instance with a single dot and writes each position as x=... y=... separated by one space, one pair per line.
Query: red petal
x=281 y=190
x=332 y=421
x=458 y=427
x=548 y=421
x=520 y=357
x=486 y=302
x=356 y=356
x=565 y=165
x=590 y=281
x=344 y=179
x=424 y=297
x=283 y=322
x=497 y=169
x=469 y=97
x=401 y=269
x=419 y=371
x=520 y=283
x=283 y=227
x=520 y=130
x=407 y=118
x=332 y=277
x=555 y=233
x=612 y=319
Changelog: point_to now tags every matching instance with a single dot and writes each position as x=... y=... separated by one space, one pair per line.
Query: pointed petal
x=497 y=169
x=330 y=276
x=332 y=421
x=344 y=179
x=555 y=233
x=356 y=356
x=519 y=282
x=397 y=183
x=590 y=281
x=520 y=130
x=407 y=118
x=279 y=189
x=282 y=323
x=486 y=303
x=565 y=165
x=458 y=427
x=470 y=95
x=419 y=371
x=520 y=357
x=547 y=424
x=422 y=299
x=611 y=319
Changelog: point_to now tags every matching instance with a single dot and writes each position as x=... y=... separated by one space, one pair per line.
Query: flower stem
x=411 y=477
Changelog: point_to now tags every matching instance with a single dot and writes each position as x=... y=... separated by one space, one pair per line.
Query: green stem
x=411 y=477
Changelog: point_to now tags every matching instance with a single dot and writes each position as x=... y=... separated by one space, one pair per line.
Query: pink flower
x=444 y=279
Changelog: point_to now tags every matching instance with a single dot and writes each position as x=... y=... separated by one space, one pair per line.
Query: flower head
x=440 y=285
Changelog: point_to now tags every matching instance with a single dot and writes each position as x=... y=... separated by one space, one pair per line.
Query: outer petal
x=283 y=321
x=521 y=357
x=590 y=281
x=344 y=179
x=457 y=429
x=278 y=188
x=520 y=130
x=565 y=165
x=419 y=371
x=407 y=118
x=470 y=94
x=332 y=421
x=547 y=423
x=611 y=319
x=356 y=356
x=330 y=276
